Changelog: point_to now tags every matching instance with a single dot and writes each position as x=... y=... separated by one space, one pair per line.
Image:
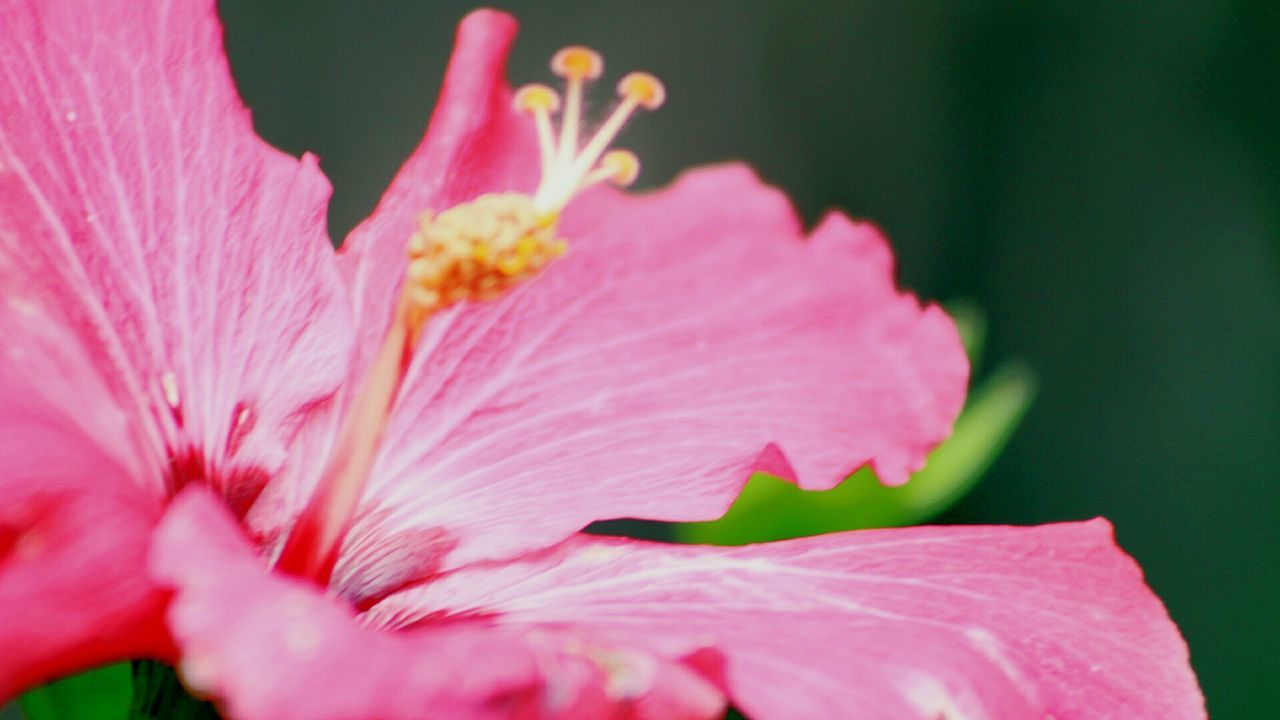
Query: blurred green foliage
x=102 y=694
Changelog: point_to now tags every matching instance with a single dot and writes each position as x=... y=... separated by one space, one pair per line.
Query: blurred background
x=1102 y=178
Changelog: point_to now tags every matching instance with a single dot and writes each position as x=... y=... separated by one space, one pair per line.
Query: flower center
x=470 y=252
x=475 y=251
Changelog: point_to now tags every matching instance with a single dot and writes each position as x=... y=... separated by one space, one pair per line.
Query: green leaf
x=971 y=323
x=773 y=509
x=101 y=694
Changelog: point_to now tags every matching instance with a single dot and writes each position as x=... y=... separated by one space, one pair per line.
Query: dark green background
x=1104 y=178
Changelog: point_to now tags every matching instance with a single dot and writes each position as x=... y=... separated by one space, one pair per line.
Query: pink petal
x=74 y=529
x=74 y=520
x=690 y=336
x=272 y=647
x=593 y=680
x=977 y=622
x=598 y=681
x=138 y=206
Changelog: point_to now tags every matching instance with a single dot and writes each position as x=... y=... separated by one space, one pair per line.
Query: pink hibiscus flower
x=353 y=485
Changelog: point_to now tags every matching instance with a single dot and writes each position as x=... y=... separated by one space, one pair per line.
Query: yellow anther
x=577 y=63
x=476 y=251
x=536 y=98
x=622 y=165
x=644 y=89
x=512 y=265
